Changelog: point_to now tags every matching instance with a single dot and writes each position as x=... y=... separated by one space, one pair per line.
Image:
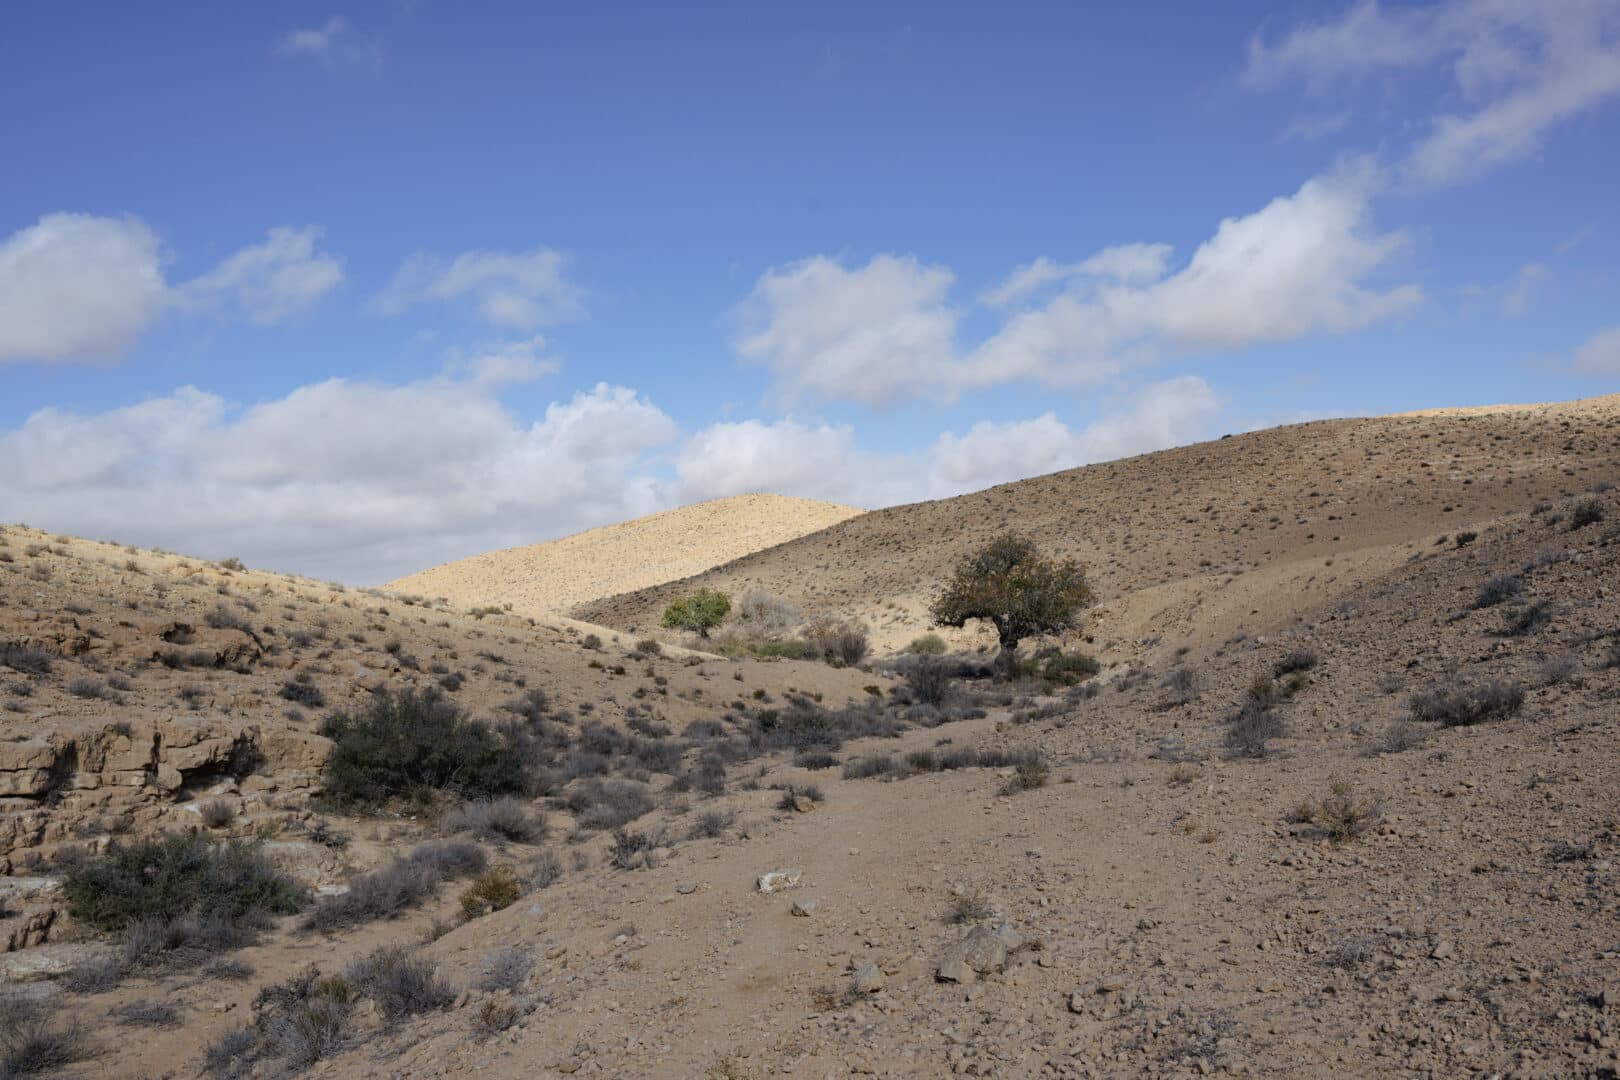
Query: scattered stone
x=805 y=907
x=982 y=952
x=777 y=880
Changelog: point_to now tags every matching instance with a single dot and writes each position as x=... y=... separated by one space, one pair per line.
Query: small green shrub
x=698 y=612
x=180 y=875
x=927 y=645
x=414 y=744
x=1061 y=668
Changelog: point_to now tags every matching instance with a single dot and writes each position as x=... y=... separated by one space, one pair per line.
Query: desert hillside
x=1185 y=544
x=1337 y=801
x=560 y=574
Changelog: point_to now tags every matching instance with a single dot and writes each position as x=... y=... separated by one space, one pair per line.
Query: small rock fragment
x=776 y=880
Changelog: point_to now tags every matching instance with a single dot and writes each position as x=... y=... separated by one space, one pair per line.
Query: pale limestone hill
x=631 y=555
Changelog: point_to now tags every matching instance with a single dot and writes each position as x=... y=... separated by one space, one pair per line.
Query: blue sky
x=351 y=290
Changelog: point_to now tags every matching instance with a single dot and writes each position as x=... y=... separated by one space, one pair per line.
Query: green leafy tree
x=1009 y=584
x=698 y=612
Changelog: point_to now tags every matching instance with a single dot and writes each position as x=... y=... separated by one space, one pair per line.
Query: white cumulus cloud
x=78 y=287
x=344 y=479
x=826 y=461
x=874 y=334
x=1312 y=262
x=82 y=287
x=1169 y=413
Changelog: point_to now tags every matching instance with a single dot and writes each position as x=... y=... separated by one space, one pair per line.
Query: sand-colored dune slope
x=1254 y=525
x=559 y=574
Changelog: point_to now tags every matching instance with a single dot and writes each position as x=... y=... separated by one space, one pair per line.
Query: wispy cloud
x=1522 y=67
x=524 y=290
x=334 y=44
x=272 y=281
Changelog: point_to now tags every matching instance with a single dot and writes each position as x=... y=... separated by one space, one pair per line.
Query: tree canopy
x=699 y=612
x=1008 y=583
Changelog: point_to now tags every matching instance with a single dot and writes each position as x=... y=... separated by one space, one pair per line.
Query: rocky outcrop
x=72 y=783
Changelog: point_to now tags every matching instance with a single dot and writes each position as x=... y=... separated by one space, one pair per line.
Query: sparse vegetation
x=842 y=642
x=711 y=824
x=607 y=804
x=1586 y=512
x=765 y=616
x=217 y=813
x=505 y=818
x=1182 y=686
x=1030 y=771
x=548 y=870
x=927 y=645
x=1294 y=660
x=398 y=886
x=33 y=1039
x=1341 y=814
x=1462 y=706
x=1399 y=737
x=1528 y=619
x=303 y=691
x=183 y=891
x=400 y=982
x=1498 y=590
x=25 y=658
x=1250 y=730
x=494 y=889
x=630 y=849
x=968 y=907
x=1059 y=668
x=506 y=968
